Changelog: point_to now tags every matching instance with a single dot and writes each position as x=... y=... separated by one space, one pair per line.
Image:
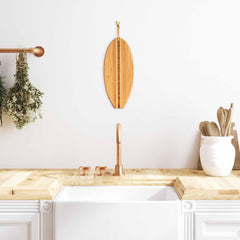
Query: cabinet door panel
x=217 y=226
x=19 y=226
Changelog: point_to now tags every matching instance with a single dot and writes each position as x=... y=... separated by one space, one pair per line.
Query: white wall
x=187 y=63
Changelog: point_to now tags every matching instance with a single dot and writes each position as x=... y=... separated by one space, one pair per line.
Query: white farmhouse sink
x=117 y=213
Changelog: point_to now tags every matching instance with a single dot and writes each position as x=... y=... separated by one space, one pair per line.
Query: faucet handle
x=100 y=170
x=85 y=170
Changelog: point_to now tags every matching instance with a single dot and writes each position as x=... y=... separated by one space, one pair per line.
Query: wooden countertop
x=43 y=184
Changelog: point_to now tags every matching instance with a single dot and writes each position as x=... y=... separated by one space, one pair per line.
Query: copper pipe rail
x=37 y=51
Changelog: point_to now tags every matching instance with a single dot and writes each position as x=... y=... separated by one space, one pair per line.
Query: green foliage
x=23 y=101
x=2 y=95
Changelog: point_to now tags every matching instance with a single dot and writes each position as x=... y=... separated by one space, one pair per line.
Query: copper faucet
x=118 y=166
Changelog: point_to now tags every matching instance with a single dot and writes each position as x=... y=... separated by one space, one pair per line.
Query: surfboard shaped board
x=118 y=72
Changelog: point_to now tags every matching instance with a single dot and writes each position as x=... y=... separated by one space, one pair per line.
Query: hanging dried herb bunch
x=2 y=95
x=23 y=101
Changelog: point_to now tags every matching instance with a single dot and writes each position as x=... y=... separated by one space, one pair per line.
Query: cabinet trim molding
x=19 y=206
x=46 y=215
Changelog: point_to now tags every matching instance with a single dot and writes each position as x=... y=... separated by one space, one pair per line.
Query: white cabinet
x=20 y=226
x=201 y=220
x=216 y=226
x=211 y=220
x=25 y=220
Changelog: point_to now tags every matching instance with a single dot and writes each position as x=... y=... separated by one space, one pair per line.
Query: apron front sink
x=117 y=213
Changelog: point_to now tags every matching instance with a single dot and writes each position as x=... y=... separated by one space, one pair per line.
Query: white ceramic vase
x=217 y=155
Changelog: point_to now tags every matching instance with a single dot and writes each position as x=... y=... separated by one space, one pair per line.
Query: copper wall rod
x=37 y=51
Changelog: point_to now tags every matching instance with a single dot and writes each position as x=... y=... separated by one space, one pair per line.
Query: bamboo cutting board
x=118 y=71
x=208 y=188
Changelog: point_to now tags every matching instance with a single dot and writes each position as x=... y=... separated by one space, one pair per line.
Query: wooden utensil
x=229 y=129
x=213 y=129
x=203 y=127
x=118 y=71
x=229 y=121
x=209 y=129
x=221 y=119
x=226 y=115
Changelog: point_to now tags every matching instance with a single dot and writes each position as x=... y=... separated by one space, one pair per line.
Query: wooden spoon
x=221 y=119
x=203 y=127
x=213 y=129
x=226 y=114
x=209 y=128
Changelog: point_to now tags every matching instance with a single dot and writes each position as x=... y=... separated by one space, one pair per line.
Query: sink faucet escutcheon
x=118 y=166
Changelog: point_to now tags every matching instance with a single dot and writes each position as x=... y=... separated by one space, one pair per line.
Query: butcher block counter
x=43 y=184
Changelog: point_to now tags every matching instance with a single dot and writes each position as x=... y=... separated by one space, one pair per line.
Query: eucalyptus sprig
x=2 y=95
x=23 y=101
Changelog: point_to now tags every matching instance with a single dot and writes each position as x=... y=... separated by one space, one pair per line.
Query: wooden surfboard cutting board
x=118 y=72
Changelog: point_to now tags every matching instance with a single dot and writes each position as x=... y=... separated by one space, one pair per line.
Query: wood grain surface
x=208 y=188
x=118 y=72
x=40 y=184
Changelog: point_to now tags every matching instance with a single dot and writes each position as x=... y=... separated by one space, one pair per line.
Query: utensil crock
x=217 y=155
